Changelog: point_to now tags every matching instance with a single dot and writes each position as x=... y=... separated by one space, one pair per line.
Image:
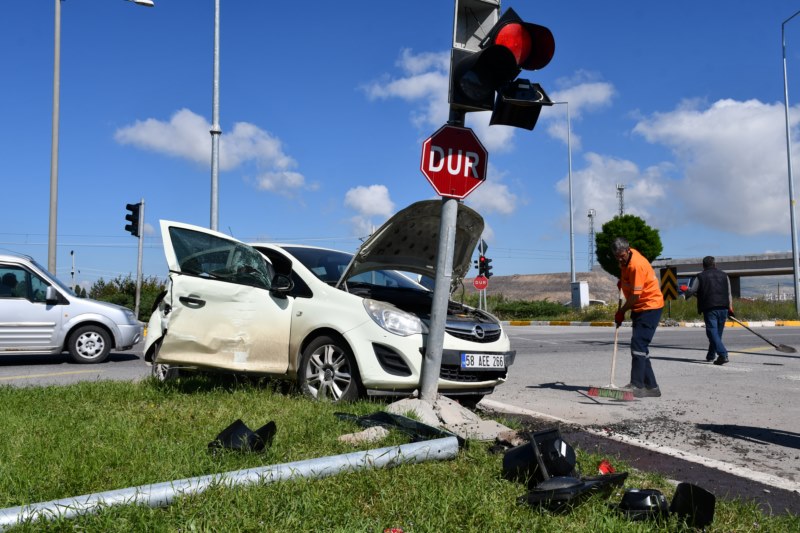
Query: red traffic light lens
x=516 y=38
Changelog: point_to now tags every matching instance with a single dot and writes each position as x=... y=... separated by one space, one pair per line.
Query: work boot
x=643 y=392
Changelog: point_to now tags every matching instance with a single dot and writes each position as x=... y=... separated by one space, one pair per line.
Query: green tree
x=122 y=291
x=641 y=236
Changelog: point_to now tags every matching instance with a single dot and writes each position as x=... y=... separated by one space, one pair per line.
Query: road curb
x=722 y=466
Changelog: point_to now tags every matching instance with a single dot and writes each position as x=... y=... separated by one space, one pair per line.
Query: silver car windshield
x=209 y=256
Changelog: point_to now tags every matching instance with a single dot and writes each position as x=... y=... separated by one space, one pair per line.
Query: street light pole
x=52 y=229
x=215 y=128
x=569 y=179
x=789 y=165
x=51 y=239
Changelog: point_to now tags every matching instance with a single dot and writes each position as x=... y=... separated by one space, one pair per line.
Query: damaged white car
x=341 y=325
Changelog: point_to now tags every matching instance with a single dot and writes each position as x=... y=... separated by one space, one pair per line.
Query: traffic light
x=133 y=218
x=510 y=46
x=487 y=267
x=482 y=262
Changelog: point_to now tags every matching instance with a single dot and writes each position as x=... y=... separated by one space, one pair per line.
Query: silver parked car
x=342 y=325
x=41 y=315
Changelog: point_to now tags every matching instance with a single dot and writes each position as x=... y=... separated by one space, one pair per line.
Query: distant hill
x=602 y=286
x=553 y=287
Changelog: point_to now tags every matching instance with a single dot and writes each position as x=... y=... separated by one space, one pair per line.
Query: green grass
x=67 y=441
x=680 y=310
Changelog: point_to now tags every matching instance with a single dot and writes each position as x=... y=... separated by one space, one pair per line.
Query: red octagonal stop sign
x=454 y=161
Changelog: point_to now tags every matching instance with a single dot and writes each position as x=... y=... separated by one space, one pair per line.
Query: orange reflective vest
x=638 y=277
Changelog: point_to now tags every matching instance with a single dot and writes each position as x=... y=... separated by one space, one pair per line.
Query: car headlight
x=393 y=319
x=130 y=316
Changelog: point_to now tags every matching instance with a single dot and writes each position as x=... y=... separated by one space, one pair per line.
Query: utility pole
x=72 y=253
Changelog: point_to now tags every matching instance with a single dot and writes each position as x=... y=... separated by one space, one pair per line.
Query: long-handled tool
x=611 y=390
x=779 y=347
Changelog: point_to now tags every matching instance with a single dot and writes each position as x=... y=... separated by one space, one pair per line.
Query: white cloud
x=733 y=158
x=368 y=202
x=595 y=187
x=186 y=136
x=493 y=196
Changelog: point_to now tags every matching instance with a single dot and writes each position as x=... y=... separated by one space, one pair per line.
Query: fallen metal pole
x=162 y=494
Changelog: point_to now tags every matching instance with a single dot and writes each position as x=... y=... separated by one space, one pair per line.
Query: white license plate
x=482 y=360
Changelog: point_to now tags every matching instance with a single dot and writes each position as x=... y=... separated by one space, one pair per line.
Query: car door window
x=209 y=256
x=18 y=282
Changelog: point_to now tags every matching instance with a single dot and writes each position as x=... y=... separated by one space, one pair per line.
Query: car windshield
x=61 y=284
x=209 y=256
x=328 y=265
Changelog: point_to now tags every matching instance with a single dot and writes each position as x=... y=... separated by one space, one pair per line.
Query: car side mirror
x=51 y=295
x=281 y=284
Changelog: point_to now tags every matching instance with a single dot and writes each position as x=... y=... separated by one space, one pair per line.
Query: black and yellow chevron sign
x=669 y=283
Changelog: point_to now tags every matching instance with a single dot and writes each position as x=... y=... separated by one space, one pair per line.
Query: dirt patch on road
x=770 y=500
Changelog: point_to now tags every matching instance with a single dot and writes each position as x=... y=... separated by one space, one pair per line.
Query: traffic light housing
x=484 y=266
x=510 y=46
x=133 y=219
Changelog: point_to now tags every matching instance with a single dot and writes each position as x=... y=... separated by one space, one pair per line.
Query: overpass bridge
x=736 y=266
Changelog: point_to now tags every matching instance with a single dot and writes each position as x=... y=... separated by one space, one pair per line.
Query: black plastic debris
x=695 y=505
x=413 y=428
x=562 y=493
x=239 y=437
x=547 y=465
x=644 y=504
x=546 y=455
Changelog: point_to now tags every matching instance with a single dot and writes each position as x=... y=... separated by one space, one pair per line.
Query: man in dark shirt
x=713 y=290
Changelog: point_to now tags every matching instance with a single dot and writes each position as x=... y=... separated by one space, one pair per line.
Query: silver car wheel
x=328 y=372
x=89 y=344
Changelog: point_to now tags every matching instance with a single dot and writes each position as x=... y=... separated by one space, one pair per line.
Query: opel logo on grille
x=478 y=332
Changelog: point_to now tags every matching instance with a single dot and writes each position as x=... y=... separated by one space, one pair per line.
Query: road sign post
x=454 y=162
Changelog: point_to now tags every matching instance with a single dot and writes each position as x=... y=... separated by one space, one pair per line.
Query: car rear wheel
x=164 y=373
x=328 y=371
x=89 y=344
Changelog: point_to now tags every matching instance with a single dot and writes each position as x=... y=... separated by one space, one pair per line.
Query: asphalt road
x=741 y=418
x=40 y=370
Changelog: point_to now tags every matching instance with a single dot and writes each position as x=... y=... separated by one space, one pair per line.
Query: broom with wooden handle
x=611 y=390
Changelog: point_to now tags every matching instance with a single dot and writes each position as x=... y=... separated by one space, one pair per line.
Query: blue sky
x=324 y=107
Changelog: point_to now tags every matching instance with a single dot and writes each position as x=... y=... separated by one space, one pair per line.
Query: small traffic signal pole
x=139 y=259
x=135 y=217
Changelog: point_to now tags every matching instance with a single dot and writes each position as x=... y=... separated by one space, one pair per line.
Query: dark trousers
x=715 y=324
x=644 y=327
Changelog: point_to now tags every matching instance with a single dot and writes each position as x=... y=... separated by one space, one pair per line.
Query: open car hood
x=409 y=242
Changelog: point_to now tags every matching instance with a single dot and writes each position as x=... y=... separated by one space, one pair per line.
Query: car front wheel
x=328 y=371
x=89 y=344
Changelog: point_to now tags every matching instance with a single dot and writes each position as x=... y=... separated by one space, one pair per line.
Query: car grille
x=456 y=373
x=482 y=333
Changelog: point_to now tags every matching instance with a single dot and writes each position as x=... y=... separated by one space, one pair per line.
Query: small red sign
x=480 y=282
x=454 y=161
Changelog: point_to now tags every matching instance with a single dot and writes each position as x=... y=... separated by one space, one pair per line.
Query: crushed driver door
x=219 y=312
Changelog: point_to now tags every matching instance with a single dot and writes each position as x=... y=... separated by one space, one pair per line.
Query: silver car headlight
x=393 y=319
